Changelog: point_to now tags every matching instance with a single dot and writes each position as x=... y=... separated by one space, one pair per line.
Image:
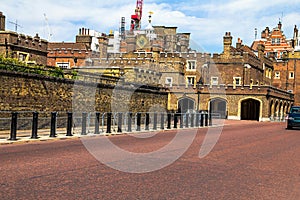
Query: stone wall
x=28 y=92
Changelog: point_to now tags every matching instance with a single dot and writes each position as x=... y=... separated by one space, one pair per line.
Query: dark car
x=293 y=118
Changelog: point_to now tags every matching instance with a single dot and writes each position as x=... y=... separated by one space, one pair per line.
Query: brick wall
x=27 y=92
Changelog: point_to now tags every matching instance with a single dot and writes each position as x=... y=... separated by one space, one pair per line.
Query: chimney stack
x=2 y=22
x=239 y=43
x=227 y=42
x=261 y=50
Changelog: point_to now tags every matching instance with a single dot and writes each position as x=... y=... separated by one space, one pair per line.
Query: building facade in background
x=28 y=49
x=239 y=83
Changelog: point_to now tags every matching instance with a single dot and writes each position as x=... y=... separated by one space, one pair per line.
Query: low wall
x=30 y=92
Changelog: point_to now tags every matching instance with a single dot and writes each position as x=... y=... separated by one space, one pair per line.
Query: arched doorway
x=219 y=107
x=185 y=104
x=250 y=109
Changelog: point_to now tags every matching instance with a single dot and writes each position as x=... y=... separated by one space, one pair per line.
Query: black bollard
x=197 y=119
x=108 y=129
x=175 y=120
x=210 y=119
x=181 y=120
x=83 y=123
x=120 y=118
x=162 y=121
x=53 y=124
x=13 y=127
x=35 y=119
x=192 y=120
x=169 y=118
x=138 y=121
x=97 y=122
x=206 y=119
x=202 y=120
x=69 y=124
x=155 y=121
x=129 y=122
x=147 y=121
x=187 y=115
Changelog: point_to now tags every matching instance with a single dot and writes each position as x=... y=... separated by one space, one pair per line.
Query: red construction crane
x=137 y=17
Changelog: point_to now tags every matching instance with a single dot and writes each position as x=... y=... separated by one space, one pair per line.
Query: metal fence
x=14 y=125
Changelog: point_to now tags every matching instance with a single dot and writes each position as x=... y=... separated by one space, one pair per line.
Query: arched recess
x=185 y=104
x=250 y=109
x=218 y=106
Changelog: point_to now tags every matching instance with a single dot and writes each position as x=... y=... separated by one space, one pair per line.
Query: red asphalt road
x=252 y=160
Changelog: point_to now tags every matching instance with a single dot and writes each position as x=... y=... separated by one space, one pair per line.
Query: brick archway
x=218 y=106
x=185 y=104
x=250 y=109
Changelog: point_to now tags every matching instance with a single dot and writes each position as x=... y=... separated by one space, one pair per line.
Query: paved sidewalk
x=43 y=135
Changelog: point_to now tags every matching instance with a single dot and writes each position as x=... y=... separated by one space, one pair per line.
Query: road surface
x=251 y=160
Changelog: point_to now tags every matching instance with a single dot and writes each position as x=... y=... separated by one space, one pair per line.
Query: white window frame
x=278 y=40
x=214 y=80
x=189 y=78
x=169 y=81
x=239 y=80
x=273 y=40
x=269 y=73
x=291 y=75
x=277 y=75
x=63 y=65
x=191 y=65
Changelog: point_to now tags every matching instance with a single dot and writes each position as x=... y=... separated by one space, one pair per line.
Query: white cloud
x=207 y=20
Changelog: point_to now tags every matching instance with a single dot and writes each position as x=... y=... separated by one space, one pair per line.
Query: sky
x=206 y=20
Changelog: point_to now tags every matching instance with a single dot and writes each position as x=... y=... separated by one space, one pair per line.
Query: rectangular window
x=190 y=80
x=23 y=57
x=191 y=65
x=63 y=65
x=237 y=80
x=277 y=75
x=169 y=81
x=278 y=41
x=291 y=75
x=214 y=80
x=273 y=40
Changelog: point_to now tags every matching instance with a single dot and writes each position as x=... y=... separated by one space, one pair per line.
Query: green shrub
x=13 y=64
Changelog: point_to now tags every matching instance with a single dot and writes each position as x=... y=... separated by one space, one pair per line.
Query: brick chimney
x=261 y=50
x=239 y=43
x=2 y=22
x=227 y=42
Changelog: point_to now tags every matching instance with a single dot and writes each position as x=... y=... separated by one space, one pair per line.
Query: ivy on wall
x=13 y=64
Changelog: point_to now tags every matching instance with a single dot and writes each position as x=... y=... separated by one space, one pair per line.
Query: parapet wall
x=28 y=92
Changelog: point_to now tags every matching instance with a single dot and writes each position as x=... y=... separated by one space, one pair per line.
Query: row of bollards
x=192 y=120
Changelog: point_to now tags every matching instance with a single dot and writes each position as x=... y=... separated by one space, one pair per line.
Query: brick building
x=285 y=56
x=236 y=84
x=89 y=47
x=31 y=50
